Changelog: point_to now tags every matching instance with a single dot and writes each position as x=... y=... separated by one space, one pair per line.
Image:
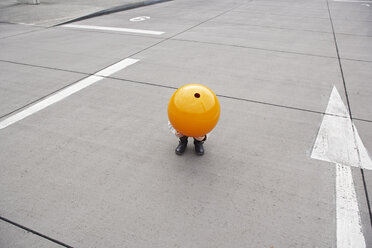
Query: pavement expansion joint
x=35 y=232
x=349 y=109
x=67 y=91
x=156 y=85
x=364 y=120
x=260 y=12
x=169 y=38
x=257 y=48
x=272 y=27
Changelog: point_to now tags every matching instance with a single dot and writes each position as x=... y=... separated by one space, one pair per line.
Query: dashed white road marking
x=338 y=142
x=60 y=95
x=127 y=30
x=139 y=18
x=116 y=67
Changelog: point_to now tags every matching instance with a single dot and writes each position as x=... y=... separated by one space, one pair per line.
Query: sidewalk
x=53 y=12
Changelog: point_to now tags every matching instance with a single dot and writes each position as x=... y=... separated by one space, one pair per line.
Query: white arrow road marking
x=60 y=95
x=349 y=230
x=365 y=160
x=338 y=142
x=128 y=30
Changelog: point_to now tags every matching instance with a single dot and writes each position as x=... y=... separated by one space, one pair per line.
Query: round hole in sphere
x=197 y=95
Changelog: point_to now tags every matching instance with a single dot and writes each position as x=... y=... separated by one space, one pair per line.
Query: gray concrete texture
x=12 y=236
x=104 y=181
x=365 y=130
x=53 y=12
x=86 y=52
x=30 y=84
x=98 y=168
x=11 y=30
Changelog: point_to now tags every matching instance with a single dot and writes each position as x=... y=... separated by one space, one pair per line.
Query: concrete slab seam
x=35 y=232
x=294 y=29
x=261 y=12
x=169 y=38
x=364 y=120
x=23 y=33
x=358 y=35
x=161 y=86
x=357 y=60
x=338 y=142
x=44 y=67
x=256 y=48
x=318 y=18
x=272 y=27
x=349 y=108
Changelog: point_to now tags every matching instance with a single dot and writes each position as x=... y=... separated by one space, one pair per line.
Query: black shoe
x=199 y=149
x=181 y=146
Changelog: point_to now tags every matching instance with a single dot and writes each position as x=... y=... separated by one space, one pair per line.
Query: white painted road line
x=349 y=230
x=128 y=30
x=338 y=142
x=60 y=95
x=116 y=67
x=139 y=18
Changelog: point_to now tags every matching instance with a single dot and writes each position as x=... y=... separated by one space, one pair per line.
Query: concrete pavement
x=97 y=168
x=54 y=12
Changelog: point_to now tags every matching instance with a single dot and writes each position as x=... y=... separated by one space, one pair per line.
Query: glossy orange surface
x=193 y=110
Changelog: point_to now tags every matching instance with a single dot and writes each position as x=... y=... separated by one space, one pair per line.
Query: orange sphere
x=193 y=110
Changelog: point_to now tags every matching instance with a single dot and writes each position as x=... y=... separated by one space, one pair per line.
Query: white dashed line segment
x=127 y=30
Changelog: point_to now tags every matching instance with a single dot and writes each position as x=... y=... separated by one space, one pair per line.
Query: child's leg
x=182 y=145
x=198 y=143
